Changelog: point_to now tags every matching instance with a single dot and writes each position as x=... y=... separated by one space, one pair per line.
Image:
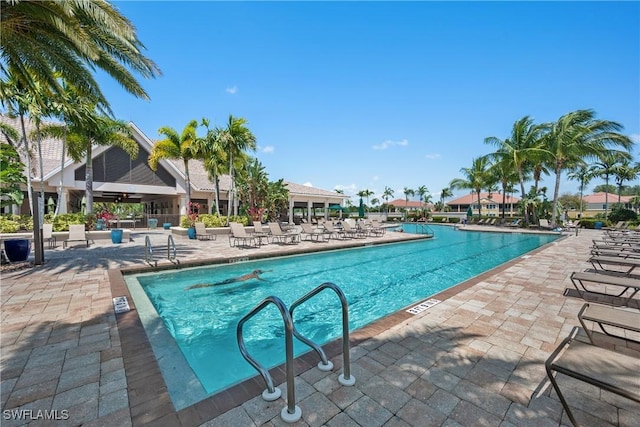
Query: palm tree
x=386 y=195
x=209 y=149
x=502 y=172
x=625 y=172
x=422 y=192
x=576 y=136
x=177 y=147
x=236 y=138
x=475 y=178
x=583 y=174
x=521 y=148
x=407 y=192
x=71 y=37
x=444 y=193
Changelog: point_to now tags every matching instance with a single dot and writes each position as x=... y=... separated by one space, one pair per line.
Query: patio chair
x=309 y=232
x=280 y=236
x=201 y=232
x=609 y=370
x=602 y=315
x=352 y=231
x=77 y=233
x=333 y=231
x=599 y=263
x=261 y=232
x=514 y=223
x=626 y=283
x=239 y=235
x=47 y=235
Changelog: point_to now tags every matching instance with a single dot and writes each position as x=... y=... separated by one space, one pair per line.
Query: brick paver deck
x=477 y=358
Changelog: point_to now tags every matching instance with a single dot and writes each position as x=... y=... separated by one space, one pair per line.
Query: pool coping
x=149 y=399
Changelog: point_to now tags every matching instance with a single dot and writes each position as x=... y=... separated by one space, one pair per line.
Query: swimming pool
x=200 y=324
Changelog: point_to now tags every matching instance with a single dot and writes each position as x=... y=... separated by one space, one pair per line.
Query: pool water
x=377 y=281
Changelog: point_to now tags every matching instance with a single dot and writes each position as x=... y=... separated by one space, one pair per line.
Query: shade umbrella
x=361 y=209
x=469 y=212
x=83 y=205
x=51 y=204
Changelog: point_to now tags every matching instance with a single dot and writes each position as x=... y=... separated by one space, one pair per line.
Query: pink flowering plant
x=193 y=210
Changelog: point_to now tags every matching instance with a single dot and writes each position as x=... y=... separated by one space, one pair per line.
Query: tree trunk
x=556 y=190
x=188 y=184
x=89 y=180
x=28 y=160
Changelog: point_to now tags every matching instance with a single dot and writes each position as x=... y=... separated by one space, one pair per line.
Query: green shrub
x=8 y=225
x=621 y=214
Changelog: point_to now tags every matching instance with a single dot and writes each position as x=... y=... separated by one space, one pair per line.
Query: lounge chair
x=610 y=316
x=280 y=236
x=599 y=263
x=352 y=231
x=609 y=370
x=260 y=232
x=239 y=235
x=333 y=231
x=376 y=227
x=47 y=235
x=309 y=232
x=626 y=283
x=514 y=223
x=77 y=233
x=201 y=232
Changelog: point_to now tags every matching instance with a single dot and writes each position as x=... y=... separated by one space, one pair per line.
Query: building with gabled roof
x=119 y=178
x=490 y=203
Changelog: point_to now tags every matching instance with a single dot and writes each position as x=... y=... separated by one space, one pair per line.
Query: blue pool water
x=376 y=280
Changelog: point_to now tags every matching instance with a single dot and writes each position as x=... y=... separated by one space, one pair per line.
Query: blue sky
x=363 y=95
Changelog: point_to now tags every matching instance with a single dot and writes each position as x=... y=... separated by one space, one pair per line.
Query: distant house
x=594 y=204
x=411 y=205
x=491 y=204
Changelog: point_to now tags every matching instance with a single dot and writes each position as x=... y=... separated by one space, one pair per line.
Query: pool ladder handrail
x=290 y=413
x=148 y=252
x=345 y=378
x=425 y=229
x=172 y=252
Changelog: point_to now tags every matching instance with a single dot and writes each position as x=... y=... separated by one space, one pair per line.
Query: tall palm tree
x=209 y=149
x=177 y=147
x=386 y=195
x=576 y=136
x=521 y=148
x=41 y=38
x=503 y=173
x=475 y=178
x=236 y=138
x=408 y=192
x=583 y=174
x=422 y=191
x=83 y=133
x=625 y=171
x=444 y=193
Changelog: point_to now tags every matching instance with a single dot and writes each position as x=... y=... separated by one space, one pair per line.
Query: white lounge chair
x=239 y=234
x=201 y=232
x=280 y=236
x=47 y=235
x=309 y=232
x=77 y=233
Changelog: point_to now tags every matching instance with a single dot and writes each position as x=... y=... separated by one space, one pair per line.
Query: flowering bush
x=193 y=210
x=256 y=213
x=105 y=215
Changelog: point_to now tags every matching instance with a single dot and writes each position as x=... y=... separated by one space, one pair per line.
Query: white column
x=291 y=211
x=309 y=207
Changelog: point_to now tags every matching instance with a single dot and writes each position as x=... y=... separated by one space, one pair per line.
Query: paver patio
x=477 y=358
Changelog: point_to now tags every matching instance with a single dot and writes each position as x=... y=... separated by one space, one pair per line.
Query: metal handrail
x=172 y=252
x=291 y=412
x=425 y=229
x=148 y=252
x=345 y=378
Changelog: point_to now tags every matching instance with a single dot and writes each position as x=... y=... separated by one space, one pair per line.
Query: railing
x=345 y=378
x=148 y=252
x=291 y=413
x=172 y=252
x=424 y=229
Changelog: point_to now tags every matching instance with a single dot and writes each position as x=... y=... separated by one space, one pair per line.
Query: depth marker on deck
x=423 y=306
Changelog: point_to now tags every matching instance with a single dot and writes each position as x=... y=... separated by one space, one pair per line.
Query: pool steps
x=292 y=413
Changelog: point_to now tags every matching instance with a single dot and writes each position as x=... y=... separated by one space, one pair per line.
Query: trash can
x=100 y=224
x=597 y=225
x=153 y=222
x=166 y=225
